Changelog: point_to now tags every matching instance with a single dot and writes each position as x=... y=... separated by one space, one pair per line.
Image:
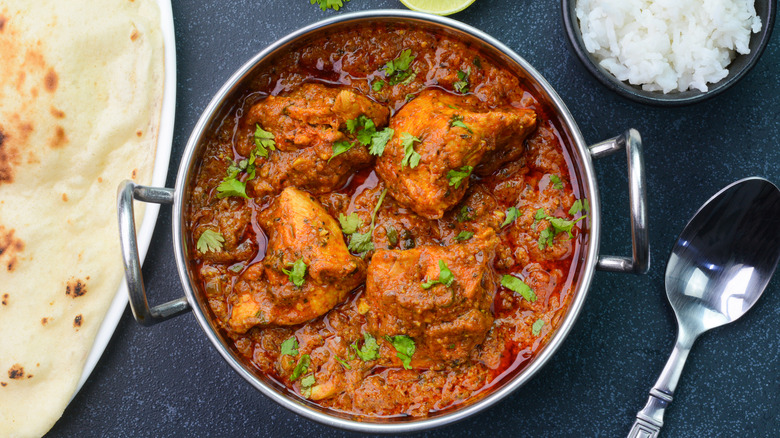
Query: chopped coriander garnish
x=464 y=235
x=411 y=157
x=237 y=267
x=377 y=85
x=231 y=187
x=362 y=242
x=456 y=121
x=580 y=205
x=462 y=84
x=290 y=346
x=301 y=367
x=397 y=69
x=368 y=129
x=297 y=272
x=518 y=286
x=370 y=349
x=537 y=327
x=351 y=223
x=264 y=141
x=511 y=216
x=210 y=241
x=557 y=183
x=445 y=277
x=340 y=147
x=456 y=177
x=332 y=4
x=557 y=225
x=379 y=141
x=306 y=384
x=404 y=348
x=464 y=214
x=343 y=362
x=392 y=235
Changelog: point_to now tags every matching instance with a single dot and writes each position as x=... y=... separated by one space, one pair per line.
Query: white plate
x=161 y=162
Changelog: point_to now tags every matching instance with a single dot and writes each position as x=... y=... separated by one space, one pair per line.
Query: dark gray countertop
x=168 y=380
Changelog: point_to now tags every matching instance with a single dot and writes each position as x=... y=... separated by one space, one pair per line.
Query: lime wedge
x=438 y=7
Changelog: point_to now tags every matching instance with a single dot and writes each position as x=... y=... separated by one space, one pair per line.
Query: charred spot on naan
x=50 y=80
x=8 y=158
x=75 y=288
x=2 y=23
x=5 y=300
x=16 y=372
x=59 y=139
x=10 y=247
x=57 y=113
x=77 y=321
x=44 y=321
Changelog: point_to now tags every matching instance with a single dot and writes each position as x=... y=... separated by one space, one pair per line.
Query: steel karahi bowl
x=582 y=172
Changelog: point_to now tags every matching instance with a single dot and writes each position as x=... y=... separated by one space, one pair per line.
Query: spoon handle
x=650 y=419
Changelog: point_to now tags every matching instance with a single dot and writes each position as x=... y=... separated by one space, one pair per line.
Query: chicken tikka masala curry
x=385 y=222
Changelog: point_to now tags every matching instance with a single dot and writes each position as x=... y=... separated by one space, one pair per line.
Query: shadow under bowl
x=737 y=69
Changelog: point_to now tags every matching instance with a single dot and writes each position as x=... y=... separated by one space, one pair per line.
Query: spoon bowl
x=719 y=267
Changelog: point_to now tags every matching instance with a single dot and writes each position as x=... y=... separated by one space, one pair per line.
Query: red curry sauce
x=539 y=178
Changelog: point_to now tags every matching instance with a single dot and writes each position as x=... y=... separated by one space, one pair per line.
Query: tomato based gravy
x=386 y=223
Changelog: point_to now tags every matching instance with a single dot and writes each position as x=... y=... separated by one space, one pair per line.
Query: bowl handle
x=145 y=315
x=639 y=262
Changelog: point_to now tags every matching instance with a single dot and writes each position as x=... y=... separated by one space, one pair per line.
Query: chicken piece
x=305 y=126
x=446 y=322
x=452 y=139
x=298 y=228
x=232 y=220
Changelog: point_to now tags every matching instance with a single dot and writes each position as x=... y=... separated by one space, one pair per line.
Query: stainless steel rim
x=586 y=275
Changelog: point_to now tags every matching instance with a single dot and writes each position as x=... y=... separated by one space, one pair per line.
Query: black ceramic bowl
x=737 y=69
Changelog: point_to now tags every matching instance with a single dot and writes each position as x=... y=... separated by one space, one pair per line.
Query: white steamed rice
x=667 y=45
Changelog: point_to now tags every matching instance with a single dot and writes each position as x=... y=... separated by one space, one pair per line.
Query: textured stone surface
x=168 y=380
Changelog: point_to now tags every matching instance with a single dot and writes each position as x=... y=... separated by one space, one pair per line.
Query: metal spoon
x=719 y=266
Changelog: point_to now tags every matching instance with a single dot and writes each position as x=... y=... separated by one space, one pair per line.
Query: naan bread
x=81 y=86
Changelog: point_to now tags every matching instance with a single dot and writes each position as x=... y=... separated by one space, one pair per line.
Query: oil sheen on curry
x=385 y=223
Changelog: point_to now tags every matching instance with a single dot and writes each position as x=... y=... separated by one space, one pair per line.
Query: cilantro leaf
x=445 y=277
x=556 y=180
x=464 y=235
x=343 y=362
x=361 y=242
x=210 y=241
x=370 y=349
x=404 y=348
x=518 y=286
x=290 y=346
x=351 y=223
x=456 y=121
x=511 y=216
x=397 y=69
x=301 y=367
x=456 y=177
x=462 y=84
x=464 y=214
x=325 y=4
x=379 y=141
x=579 y=205
x=237 y=267
x=306 y=384
x=411 y=157
x=557 y=225
x=546 y=238
x=340 y=147
x=231 y=187
x=537 y=327
x=297 y=272
x=264 y=141
x=377 y=85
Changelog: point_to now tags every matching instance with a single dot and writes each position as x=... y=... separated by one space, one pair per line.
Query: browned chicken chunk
x=439 y=141
x=231 y=220
x=305 y=126
x=406 y=294
x=299 y=231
